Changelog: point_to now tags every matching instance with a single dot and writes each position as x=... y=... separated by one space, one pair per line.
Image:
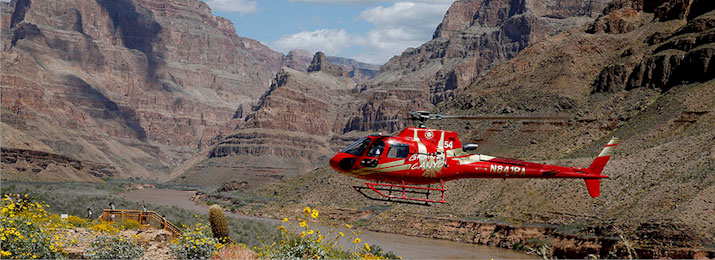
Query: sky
x=366 y=30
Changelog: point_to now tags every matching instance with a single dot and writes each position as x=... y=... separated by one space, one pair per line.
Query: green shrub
x=77 y=221
x=195 y=243
x=113 y=247
x=300 y=241
x=22 y=232
x=129 y=224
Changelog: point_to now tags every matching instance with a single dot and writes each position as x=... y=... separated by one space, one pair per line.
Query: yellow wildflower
x=306 y=210
x=303 y=224
x=348 y=226
x=342 y=234
x=315 y=214
x=285 y=219
x=357 y=240
x=310 y=232
x=302 y=234
x=367 y=247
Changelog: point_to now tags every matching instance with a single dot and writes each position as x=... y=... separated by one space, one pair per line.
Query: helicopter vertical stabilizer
x=594 y=185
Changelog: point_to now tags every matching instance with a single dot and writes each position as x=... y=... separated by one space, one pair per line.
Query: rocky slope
x=474 y=36
x=139 y=85
x=288 y=132
x=642 y=71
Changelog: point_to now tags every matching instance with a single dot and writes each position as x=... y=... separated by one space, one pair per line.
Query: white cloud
x=233 y=6
x=329 y=41
x=365 y=2
x=399 y=26
x=395 y=28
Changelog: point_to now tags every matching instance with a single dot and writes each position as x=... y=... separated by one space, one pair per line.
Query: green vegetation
x=113 y=247
x=196 y=242
x=75 y=198
x=26 y=230
x=300 y=241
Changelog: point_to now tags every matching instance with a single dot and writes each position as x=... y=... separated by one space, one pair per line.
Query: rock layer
x=137 y=84
x=36 y=165
x=286 y=133
x=473 y=36
x=659 y=194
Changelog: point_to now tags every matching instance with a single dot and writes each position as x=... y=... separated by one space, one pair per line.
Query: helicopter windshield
x=358 y=147
x=376 y=149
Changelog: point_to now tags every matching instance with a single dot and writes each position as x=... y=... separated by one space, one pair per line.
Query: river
x=408 y=247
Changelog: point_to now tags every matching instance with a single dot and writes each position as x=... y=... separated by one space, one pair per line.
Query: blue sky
x=367 y=30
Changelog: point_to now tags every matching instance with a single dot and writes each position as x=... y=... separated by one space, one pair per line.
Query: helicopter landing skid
x=401 y=193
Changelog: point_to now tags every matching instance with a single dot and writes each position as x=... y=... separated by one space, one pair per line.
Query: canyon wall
x=140 y=85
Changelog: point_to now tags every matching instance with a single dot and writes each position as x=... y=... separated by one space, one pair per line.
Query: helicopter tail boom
x=594 y=184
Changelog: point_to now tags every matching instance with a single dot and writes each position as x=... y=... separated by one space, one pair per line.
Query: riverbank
x=542 y=239
x=409 y=247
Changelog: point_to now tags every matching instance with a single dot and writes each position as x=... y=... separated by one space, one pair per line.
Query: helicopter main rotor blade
x=505 y=117
x=386 y=121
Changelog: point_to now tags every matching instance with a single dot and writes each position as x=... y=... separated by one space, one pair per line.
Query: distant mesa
x=360 y=72
x=321 y=63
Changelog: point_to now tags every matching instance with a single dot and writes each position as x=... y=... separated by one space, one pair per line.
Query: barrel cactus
x=219 y=224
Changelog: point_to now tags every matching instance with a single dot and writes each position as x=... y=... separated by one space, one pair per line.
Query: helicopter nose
x=342 y=162
x=334 y=163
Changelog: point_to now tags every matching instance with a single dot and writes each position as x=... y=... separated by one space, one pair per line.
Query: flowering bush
x=113 y=247
x=77 y=221
x=23 y=234
x=129 y=224
x=196 y=242
x=105 y=227
x=301 y=241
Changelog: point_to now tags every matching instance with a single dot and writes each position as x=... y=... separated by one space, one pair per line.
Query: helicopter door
x=377 y=149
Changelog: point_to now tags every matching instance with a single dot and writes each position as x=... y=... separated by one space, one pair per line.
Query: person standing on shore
x=111 y=207
x=89 y=213
x=144 y=211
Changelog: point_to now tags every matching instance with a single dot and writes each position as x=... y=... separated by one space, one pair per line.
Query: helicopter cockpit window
x=376 y=149
x=357 y=148
x=398 y=150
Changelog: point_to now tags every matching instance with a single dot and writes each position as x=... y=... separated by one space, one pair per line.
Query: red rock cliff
x=140 y=84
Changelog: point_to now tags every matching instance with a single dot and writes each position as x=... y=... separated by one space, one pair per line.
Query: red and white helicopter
x=423 y=156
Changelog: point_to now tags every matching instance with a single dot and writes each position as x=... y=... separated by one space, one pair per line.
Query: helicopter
x=398 y=167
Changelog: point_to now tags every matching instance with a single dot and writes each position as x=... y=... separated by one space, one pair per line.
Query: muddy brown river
x=407 y=247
